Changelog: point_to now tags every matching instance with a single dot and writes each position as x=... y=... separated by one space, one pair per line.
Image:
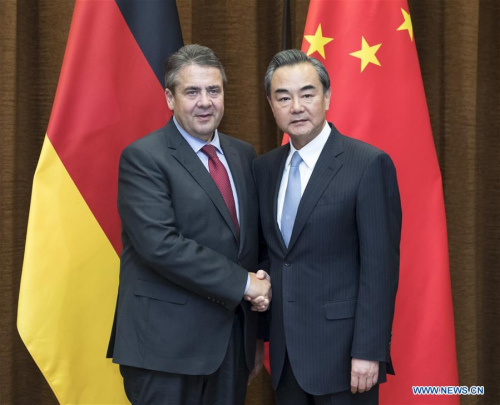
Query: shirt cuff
x=248 y=284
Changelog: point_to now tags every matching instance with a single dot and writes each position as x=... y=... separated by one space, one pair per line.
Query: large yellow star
x=318 y=42
x=367 y=54
x=407 y=25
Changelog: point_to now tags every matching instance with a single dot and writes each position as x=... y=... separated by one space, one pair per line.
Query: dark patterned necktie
x=221 y=178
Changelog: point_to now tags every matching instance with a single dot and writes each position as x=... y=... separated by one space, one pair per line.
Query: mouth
x=204 y=117
x=300 y=121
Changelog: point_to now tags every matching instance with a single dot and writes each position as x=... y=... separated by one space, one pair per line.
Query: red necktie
x=221 y=178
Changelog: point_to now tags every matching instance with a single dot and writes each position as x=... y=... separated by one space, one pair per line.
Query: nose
x=297 y=106
x=204 y=100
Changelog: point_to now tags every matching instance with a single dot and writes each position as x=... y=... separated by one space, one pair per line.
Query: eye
x=214 y=92
x=283 y=99
x=191 y=93
x=308 y=96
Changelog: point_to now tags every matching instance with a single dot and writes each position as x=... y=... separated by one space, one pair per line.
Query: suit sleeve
x=149 y=221
x=378 y=216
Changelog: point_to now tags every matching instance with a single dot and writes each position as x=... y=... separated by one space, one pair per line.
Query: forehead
x=295 y=77
x=199 y=76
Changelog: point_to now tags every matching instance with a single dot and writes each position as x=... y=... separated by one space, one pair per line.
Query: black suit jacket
x=183 y=270
x=334 y=288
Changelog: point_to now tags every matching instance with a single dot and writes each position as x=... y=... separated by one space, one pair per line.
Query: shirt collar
x=310 y=152
x=196 y=143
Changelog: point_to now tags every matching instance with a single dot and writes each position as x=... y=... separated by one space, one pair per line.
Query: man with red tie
x=183 y=332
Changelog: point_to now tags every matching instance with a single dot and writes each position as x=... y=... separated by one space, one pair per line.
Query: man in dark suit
x=183 y=333
x=331 y=218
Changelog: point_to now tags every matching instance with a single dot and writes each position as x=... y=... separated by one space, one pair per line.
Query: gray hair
x=190 y=55
x=292 y=57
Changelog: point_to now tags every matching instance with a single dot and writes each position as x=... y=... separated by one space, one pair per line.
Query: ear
x=328 y=96
x=170 y=99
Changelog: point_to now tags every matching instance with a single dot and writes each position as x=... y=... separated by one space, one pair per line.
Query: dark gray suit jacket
x=334 y=288
x=183 y=270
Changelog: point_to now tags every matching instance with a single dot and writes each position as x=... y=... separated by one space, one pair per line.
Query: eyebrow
x=197 y=88
x=308 y=87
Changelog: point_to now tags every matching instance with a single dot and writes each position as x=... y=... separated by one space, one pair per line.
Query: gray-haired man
x=331 y=216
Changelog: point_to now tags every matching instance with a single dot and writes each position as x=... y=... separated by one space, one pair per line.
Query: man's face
x=198 y=102
x=298 y=102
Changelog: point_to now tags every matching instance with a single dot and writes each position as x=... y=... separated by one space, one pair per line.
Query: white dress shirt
x=310 y=155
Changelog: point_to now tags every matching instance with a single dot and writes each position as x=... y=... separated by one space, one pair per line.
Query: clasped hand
x=259 y=292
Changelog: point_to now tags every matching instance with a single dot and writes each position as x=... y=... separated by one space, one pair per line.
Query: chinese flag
x=369 y=50
x=110 y=93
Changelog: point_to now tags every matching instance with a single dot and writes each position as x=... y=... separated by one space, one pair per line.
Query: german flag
x=110 y=93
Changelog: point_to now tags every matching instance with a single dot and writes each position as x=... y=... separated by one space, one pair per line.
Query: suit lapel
x=327 y=166
x=186 y=156
x=275 y=182
x=233 y=160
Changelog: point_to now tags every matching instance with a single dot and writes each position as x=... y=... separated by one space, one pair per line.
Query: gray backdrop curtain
x=458 y=45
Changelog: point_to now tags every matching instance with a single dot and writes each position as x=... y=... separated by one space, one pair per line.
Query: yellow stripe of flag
x=56 y=308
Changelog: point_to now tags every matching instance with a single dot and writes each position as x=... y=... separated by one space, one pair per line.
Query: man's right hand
x=259 y=292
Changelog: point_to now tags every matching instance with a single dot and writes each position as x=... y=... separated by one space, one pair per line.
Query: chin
x=206 y=129
x=299 y=134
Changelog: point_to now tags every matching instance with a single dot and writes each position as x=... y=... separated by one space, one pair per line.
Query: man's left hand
x=364 y=375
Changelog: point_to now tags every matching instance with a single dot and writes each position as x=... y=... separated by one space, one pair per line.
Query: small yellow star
x=318 y=42
x=407 y=25
x=367 y=54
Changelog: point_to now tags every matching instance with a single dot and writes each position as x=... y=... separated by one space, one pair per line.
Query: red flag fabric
x=368 y=48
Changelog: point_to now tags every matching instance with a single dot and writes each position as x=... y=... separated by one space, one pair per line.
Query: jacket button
x=288 y=263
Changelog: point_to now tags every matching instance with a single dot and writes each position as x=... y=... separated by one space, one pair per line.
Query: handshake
x=259 y=291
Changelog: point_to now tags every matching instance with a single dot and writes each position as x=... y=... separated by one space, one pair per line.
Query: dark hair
x=292 y=57
x=190 y=55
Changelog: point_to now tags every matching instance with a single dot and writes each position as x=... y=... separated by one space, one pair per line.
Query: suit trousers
x=226 y=386
x=289 y=392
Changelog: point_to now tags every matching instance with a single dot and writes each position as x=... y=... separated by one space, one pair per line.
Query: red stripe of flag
x=108 y=96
